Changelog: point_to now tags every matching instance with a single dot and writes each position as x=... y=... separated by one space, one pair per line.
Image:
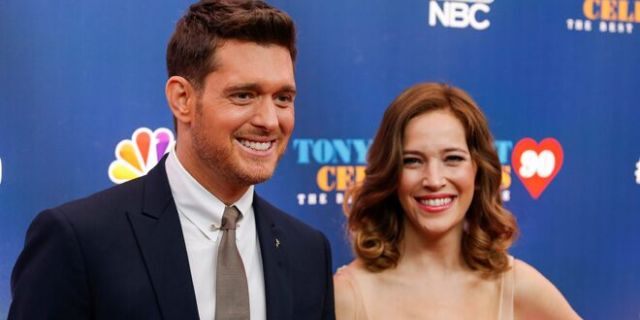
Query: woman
x=427 y=224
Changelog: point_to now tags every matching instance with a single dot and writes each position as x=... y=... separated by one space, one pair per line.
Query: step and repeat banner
x=82 y=108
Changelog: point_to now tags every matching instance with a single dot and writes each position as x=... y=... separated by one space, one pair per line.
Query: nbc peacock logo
x=136 y=156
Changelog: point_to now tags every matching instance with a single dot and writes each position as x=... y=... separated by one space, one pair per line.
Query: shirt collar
x=196 y=203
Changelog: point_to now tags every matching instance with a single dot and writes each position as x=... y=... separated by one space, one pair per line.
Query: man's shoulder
x=119 y=198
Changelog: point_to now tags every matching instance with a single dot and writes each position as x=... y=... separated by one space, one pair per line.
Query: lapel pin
x=277 y=243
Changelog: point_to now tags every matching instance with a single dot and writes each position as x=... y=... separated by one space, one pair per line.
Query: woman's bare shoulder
x=536 y=297
x=345 y=295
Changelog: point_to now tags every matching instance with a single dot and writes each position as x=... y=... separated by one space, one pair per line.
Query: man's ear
x=182 y=98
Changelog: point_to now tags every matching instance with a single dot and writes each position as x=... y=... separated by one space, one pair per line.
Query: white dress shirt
x=200 y=215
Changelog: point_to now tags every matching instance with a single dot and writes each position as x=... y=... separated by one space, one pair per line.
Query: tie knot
x=230 y=217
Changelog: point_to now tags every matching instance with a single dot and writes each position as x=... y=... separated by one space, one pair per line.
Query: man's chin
x=253 y=178
x=256 y=174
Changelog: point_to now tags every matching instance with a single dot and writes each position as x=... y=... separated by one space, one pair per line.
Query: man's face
x=244 y=114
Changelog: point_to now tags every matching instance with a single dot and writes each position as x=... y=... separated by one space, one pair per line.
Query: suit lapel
x=159 y=234
x=275 y=263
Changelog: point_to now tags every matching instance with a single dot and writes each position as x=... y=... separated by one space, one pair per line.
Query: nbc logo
x=460 y=14
x=637 y=172
x=136 y=156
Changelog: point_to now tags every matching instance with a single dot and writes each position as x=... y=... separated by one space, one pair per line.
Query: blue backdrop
x=77 y=78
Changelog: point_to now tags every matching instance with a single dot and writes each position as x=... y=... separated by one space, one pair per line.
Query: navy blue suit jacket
x=120 y=254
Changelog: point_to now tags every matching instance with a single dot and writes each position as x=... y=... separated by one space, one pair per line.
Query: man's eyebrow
x=256 y=87
x=242 y=87
x=288 y=88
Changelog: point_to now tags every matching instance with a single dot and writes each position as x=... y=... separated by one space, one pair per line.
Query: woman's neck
x=439 y=254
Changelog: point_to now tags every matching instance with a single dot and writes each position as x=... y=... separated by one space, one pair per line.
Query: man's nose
x=266 y=115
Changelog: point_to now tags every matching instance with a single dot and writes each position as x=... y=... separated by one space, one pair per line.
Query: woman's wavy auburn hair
x=375 y=216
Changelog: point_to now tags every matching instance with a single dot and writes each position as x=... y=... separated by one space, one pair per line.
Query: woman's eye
x=410 y=161
x=454 y=158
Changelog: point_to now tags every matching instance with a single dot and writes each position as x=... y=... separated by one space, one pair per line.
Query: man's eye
x=284 y=99
x=242 y=97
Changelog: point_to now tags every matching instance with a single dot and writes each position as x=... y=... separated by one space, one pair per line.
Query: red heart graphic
x=537 y=164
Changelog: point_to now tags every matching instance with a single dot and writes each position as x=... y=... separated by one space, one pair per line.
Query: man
x=156 y=247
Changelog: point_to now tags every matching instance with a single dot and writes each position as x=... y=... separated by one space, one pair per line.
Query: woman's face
x=438 y=175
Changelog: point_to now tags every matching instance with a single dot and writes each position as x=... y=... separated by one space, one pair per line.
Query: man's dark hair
x=208 y=23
